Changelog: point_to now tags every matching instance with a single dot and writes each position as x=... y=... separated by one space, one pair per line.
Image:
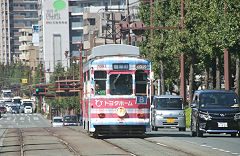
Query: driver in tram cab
x=99 y=89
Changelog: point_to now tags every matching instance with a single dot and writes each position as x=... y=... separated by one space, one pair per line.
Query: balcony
x=25 y=38
x=24 y=47
x=77 y=25
x=77 y=11
x=24 y=56
x=77 y=39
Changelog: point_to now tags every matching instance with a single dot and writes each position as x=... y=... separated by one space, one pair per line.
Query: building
x=86 y=20
x=29 y=47
x=15 y=15
x=53 y=34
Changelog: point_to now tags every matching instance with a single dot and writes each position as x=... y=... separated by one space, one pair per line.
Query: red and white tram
x=116 y=91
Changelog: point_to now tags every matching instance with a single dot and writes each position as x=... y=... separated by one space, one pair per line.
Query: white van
x=168 y=111
x=27 y=109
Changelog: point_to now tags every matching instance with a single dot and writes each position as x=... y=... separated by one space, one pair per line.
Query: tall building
x=82 y=16
x=15 y=15
x=4 y=32
x=29 y=47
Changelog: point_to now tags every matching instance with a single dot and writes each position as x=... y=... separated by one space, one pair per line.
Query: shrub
x=188 y=117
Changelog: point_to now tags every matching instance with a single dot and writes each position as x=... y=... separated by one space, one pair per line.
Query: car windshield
x=70 y=119
x=168 y=103
x=57 y=120
x=219 y=100
x=15 y=108
x=27 y=104
x=17 y=100
x=7 y=94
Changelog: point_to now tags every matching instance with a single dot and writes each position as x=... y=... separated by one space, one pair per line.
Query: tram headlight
x=121 y=112
x=140 y=115
x=101 y=115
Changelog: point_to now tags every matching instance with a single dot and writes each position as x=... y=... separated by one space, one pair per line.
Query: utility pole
x=80 y=77
x=226 y=65
x=182 y=62
x=30 y=93
x=128 y=18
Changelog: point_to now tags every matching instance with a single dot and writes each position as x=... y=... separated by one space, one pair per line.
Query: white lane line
x=222 y=150
x=162 y=144
x=214 y=148
x=35 y=118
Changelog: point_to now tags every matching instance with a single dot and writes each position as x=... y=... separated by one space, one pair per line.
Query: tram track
x=20 y=132
x=69 y=146
x=174 y=149
x=79 y=131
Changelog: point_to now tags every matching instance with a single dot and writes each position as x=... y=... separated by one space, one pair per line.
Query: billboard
x=55 y=36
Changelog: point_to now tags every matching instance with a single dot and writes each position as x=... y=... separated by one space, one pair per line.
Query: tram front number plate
x=170 y=120
x=222 y=124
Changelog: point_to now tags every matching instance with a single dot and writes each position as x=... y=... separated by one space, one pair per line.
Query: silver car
x=168 y=111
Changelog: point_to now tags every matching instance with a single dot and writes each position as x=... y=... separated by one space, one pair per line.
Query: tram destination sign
x=120 y=66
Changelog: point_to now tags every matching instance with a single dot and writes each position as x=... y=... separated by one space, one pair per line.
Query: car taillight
x=101 y=115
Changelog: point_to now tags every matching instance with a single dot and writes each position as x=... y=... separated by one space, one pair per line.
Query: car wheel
x=153 y=128
x=182 y=129
x=198 y=132
x=193 y=133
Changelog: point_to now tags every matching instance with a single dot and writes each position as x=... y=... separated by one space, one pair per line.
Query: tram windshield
x=121 y=84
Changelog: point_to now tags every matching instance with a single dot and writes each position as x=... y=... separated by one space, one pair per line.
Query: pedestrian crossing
x=22 y=120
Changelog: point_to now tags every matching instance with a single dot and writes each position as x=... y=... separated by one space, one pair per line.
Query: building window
x=91 y=21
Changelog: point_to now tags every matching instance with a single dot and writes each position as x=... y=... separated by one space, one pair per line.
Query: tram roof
x=114 y=50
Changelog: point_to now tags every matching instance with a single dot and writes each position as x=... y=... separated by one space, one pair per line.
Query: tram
x=117 y=94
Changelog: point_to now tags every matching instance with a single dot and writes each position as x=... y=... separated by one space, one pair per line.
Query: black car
x=70 y=120
x=15 y=110
x=214 y=111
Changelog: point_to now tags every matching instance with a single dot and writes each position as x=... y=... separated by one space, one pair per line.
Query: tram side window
x=141 y=83
x=100 y=82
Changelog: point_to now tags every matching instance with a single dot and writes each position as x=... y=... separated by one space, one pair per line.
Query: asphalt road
x=39 y=138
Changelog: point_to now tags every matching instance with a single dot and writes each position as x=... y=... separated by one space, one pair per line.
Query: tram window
x=100 y=87
x=88 y=74
x=141 y=82
x=100 y=74
x=84 y=76
x=121 y=84
x=100 y=82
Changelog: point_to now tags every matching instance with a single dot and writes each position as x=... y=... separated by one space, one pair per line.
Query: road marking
x=35 y=118
x=206 y=146
x=214 y=148
x=162 y=144
x=222 y=150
